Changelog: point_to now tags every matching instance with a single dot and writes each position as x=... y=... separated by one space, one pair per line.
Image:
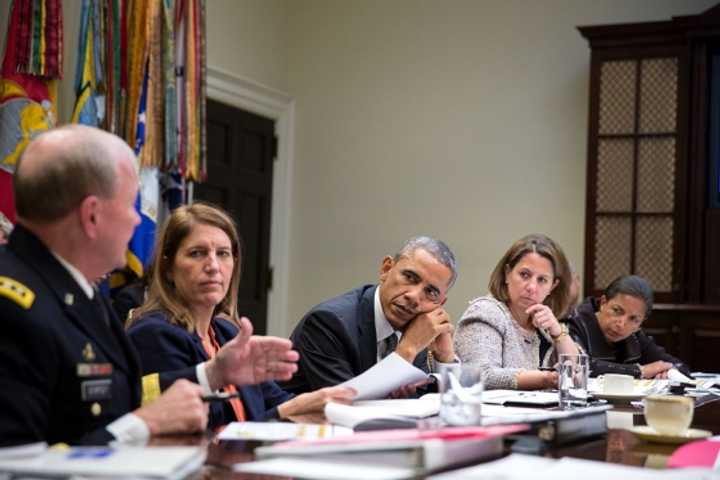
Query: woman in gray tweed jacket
x=514 y=330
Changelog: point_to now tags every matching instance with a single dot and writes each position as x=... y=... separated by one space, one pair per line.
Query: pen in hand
x=220 y=396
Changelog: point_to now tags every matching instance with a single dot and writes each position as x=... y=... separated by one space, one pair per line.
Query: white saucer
x=650 y=435
x=620 y=397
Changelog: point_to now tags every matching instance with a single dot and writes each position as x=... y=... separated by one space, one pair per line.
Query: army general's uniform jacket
x=67 y=368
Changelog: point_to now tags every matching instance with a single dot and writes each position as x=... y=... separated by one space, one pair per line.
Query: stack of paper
x=705 y=383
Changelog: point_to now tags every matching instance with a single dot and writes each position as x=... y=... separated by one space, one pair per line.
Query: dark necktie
x=390 y=344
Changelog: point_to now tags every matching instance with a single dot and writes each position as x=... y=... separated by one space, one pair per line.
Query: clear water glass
x=573 y=371
x=461 y=389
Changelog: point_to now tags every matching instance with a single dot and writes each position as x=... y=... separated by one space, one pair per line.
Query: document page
x=520 y=397
x=277 y=431
x=320 y=469
x=502 y=415
x=384 y=377
x=351 y=415
x=522 y=467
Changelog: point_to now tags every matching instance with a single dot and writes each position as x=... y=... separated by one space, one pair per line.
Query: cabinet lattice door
x=631 y=209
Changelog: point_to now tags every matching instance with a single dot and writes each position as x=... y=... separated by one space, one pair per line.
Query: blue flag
x=143 y=240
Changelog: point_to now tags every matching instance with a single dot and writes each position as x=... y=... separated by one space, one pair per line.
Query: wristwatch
x=563 y=332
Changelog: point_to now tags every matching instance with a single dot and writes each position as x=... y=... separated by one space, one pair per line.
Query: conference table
x=617 y=446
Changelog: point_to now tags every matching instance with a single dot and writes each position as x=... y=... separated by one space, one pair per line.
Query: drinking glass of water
x=573 y=370
x=461 y=390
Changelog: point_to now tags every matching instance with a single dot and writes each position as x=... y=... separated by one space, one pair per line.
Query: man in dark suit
x=342 y=337
x=67 y=370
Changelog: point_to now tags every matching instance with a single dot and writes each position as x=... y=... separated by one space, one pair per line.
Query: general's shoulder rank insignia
x=17 y=292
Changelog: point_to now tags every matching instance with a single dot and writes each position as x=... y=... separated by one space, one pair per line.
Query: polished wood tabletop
x=617 y=446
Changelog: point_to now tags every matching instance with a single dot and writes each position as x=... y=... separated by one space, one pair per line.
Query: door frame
x=254 y=97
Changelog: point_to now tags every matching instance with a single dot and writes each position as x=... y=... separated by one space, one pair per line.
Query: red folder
x=410 y=434
x=702 y=453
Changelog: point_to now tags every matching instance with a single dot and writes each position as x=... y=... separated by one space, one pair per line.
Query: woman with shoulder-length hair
x=514 y=330
x=609 y=330
x=191 y=311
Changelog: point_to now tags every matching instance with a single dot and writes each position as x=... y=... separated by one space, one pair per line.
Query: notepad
x=121 y=462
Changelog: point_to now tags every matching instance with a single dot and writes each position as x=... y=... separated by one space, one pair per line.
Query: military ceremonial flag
x=28 y=83
x=143 y=239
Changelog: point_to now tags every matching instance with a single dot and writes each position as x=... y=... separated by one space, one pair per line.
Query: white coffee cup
x=616 y=384
x=669 y=414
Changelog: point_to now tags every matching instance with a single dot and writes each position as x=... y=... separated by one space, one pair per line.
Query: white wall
x=464 y=120
x=248 y=38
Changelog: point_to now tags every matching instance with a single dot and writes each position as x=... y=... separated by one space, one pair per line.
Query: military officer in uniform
x=67 y=370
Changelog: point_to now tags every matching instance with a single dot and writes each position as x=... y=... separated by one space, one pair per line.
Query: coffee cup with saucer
x=668 y=420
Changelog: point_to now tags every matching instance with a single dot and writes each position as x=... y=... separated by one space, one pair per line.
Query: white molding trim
x=254 y=97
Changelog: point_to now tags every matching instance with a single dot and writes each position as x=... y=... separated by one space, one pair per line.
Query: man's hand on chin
x=423 y=330
x=442 y=347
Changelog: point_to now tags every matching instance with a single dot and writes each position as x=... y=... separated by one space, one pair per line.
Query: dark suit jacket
x=64 y=373
x=337 y=341
x=174 y=352
x=620 y=357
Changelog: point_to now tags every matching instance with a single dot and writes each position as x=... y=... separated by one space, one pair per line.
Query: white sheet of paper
x=522 y=467
x=514 y=466
x=386 y=376
x=277 y=431
x=646 y=386
x=322 y=470
x=592 y=470
x=502 y=396
x=501 y=415
x=675 y=375
x=351 y=415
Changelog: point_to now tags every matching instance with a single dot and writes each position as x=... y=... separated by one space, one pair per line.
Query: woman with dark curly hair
x=609 y=330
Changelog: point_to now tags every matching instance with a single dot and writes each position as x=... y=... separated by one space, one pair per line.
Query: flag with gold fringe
x=31 y=65
x=89 y=103
x=141 y=75
x=191 y=67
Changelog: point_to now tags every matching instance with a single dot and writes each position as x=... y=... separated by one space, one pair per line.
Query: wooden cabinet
x=690 y=332
x=653 y=176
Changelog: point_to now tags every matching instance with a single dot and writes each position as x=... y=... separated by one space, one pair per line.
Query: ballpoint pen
x=220 y=396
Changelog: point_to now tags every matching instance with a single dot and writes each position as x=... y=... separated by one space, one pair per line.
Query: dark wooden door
x=241 y=150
